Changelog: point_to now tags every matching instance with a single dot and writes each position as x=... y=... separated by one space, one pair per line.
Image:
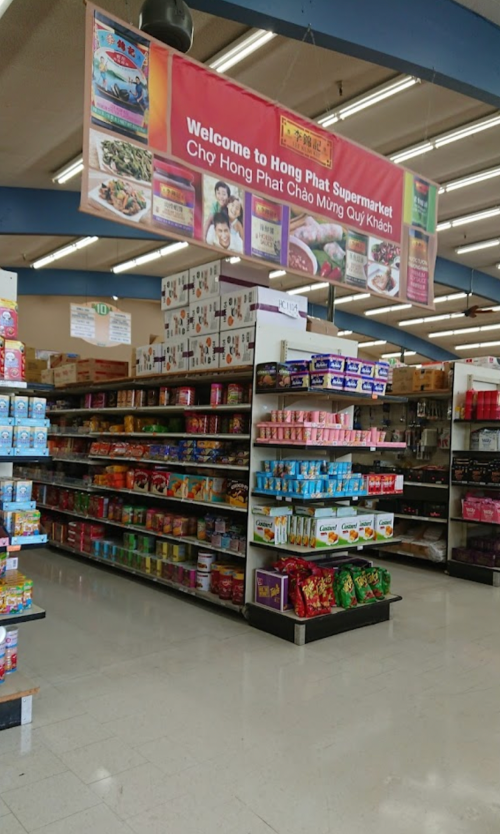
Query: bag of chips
x=310 y=591
x=386 y=580
x=374 y=579
x=363 y=591
x=345 y=592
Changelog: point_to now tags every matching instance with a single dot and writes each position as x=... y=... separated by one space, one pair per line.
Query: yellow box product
x=26 y=523
x=178 y=553
x=348 y=531
x=177 y=486
x=197 y=488
x=384 y=526
x=324 y=532
x=366 y=525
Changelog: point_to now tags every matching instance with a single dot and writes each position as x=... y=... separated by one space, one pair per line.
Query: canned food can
x=202 y=581
x=205 y=561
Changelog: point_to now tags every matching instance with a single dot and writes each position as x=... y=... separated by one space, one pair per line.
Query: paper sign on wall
x=178 y=149
x=101 y=324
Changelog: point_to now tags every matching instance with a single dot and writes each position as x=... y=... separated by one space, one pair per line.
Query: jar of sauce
x=356 y=259
x=173 y=198
x=417 y=277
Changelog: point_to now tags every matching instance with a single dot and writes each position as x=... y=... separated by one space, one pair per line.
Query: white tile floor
x=157 y=716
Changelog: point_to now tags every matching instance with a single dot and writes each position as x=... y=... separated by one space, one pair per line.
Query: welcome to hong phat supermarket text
x=283 y=178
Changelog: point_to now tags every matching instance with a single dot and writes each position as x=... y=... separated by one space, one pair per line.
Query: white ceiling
x=41 y=100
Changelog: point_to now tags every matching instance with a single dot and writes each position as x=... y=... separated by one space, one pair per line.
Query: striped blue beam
x=437 y=40
x=38 y=211
x=95 y=284
x=460 y=277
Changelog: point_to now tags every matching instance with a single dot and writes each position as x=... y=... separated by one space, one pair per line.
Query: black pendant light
x=168 y=21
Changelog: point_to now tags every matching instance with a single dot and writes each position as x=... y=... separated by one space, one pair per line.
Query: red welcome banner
x=183 y=151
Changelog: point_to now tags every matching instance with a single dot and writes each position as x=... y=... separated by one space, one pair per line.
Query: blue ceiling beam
x=437 y=40
x=37 y=211
x=460 y=277
x=81 y=283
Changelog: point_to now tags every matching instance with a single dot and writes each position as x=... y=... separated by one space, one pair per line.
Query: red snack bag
x=310 y=589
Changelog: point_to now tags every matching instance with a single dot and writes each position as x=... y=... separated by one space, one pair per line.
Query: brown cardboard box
x=58 y=359
x=428 y=379
x=402 y=380
x=322 y=326
x=47 y=377
x=90 y=370
x=65 y=374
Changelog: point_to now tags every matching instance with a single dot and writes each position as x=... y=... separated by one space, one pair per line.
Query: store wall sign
x=100 y=324
x=185 y=152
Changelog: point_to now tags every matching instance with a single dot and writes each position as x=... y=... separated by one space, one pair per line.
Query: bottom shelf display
x=216 y=582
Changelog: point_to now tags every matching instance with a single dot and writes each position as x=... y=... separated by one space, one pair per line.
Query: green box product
x=366 y=523
x=316 y=512
x=348 y=531
x=325 y=532
x=384 y=525
x=270 y=529
x=130 y=541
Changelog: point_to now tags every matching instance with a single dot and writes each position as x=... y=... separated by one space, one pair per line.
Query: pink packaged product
x=471 y=508
x=8 y=319
x=352 y=365
x=490 y=511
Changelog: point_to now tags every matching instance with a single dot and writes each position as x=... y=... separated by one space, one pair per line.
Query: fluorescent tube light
x=398 y=353
x=346 y=299
x=321 y=286
x=300 y=290
x=244 y=47
x=446 y=138
x=234 y=260
x=379 y=311
x=72 y=169
x=344 y=333
x=468 y=218
x=480 y=329
x=475 y=247
x=277 y=273
x=149 y=256
x=472 y=179
x=429 y=319
x=4 y=5
x=359 y=103
x=409 y=153
x=477 y=346
x=372 y=344
x=453 y=297
x=63 y=252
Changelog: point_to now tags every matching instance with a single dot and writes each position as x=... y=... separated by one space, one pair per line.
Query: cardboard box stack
x=210 y=322
x=410 y=380
x=87 y=370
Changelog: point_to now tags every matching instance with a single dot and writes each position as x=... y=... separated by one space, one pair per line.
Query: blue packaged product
x=37 y=406
x=19 y=405
x=4 y=405
x=6 y=490
x=379 y=387
x=22 y=437
x=367 y=369
x=39 y=436
x=322 y=362
x=22 y=490
x=6 y=437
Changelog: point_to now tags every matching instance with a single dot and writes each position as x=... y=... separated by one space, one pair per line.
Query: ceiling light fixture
x=68 y=171
x=344 y=333
x=149 y=256
x=468 y=218
x=243 y=47
x=477 y=345
x=277 y=273
x=299 y=290
x=115 y=298
x=372 y=344
x=446 y=138
x=346 y=299
x=475 y=247
x=4 y=5
x=472 y=179
x=234 y=260
x=379 y=311
x=63 y=252
x=453 y=297
x=480 y=329
x=368 y=100
x=429 y=319
x=398 y=354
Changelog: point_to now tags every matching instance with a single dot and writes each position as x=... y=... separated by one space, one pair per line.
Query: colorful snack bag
x=309 y=589
x=364 y=593
x=374 y=578
x=386 y=580
x=326 y=590
x=345 y=592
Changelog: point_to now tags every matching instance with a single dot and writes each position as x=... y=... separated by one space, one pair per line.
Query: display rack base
x=475 y=573
x=290 y=627
x=33 y=613
x=16 y=700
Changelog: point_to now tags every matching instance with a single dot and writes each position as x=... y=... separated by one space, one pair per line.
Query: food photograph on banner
x=162 y=149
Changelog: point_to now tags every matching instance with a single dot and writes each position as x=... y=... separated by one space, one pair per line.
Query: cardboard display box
x=65 y=374
x=97 y=370
x=321 y=326
x=243 y=308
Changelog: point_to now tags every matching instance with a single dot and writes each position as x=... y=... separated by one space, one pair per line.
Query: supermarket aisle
x=157 y=716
